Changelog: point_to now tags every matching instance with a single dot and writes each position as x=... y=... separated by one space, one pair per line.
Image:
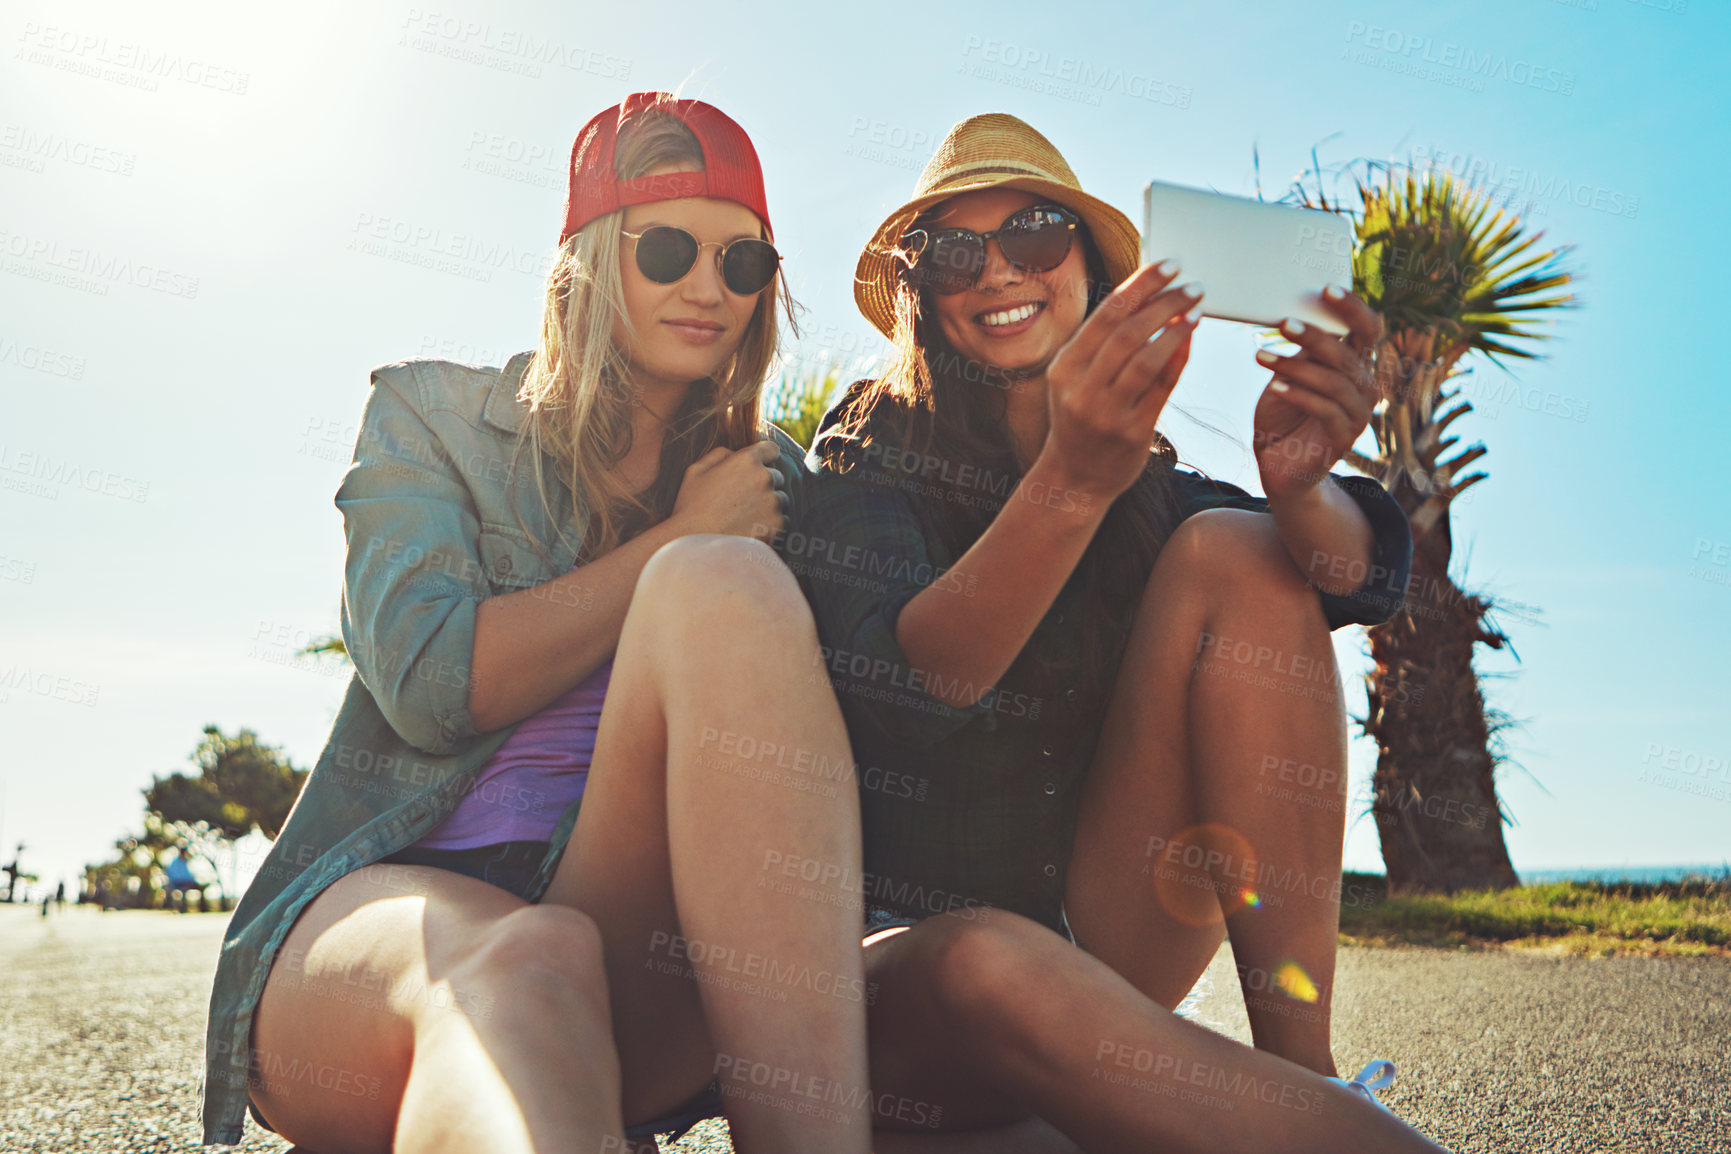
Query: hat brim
x=874 y=285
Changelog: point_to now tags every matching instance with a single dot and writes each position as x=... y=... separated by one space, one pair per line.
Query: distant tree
x=241 y=785
x=134 y=876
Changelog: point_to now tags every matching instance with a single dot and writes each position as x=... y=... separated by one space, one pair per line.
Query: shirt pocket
x=509 y=560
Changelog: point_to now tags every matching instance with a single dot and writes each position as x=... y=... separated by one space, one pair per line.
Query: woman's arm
x=1106 y=388
x=533 y=645
x=412 y=569
x=1308 y=416
x=1014 y=572
x=1327 y=535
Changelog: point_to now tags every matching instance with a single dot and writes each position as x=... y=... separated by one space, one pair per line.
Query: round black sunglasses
x=665 y=255
x=950 y=260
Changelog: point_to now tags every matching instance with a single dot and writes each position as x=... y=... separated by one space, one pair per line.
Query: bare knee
x=540 y=952
x=1236 y=556
x=714 y=581
x=983 y=973
x=708 y=561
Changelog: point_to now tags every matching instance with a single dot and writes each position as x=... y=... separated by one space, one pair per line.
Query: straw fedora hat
x=992 y=150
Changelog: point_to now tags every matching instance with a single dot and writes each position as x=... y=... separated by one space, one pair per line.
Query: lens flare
x=1249 y=898
x=1200 y=875
x=1295 y=983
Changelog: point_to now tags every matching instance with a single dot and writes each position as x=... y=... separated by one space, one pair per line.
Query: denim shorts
x=513 y=866
x=510 y=865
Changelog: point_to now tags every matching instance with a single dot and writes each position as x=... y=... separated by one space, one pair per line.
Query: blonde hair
x=578 y=386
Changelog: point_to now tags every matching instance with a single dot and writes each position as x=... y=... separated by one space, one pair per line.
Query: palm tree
x=1451 y=276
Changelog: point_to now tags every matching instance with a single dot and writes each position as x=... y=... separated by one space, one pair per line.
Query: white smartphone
x=1258 y=262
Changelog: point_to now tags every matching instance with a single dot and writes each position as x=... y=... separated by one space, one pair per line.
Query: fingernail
x=1293 y=326
x=1333 y=292
x=1280 y=386
x=1166 y=267
x=1193 y=315
x=1266 y=357
x=1193 y=289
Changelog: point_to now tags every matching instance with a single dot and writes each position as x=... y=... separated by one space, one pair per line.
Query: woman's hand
x=733 y=491
x=1107 y=386
x=1319 y=400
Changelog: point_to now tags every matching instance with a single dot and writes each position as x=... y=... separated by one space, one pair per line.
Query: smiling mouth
x=997 y=318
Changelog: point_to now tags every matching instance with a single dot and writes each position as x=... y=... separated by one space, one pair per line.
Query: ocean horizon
x=1625 y=873
x=1639 y=874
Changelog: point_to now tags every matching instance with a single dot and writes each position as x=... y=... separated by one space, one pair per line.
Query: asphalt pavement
x=102 y=1030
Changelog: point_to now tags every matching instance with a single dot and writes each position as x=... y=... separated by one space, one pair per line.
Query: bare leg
x=721 y=962
x=984 y=1022
x=400 y=984
x=1029 y=1136
x=1226 y=722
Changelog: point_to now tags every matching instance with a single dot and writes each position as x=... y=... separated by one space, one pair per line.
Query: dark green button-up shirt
x=977 y=806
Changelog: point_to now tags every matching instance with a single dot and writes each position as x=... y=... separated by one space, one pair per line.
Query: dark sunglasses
x=666 y=254
x=950 y=260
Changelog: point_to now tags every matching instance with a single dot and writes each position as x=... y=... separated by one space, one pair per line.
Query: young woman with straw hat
x=504 y=911
x=1097 y=691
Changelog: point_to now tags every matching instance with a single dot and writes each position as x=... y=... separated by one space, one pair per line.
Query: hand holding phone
x=1320 y=399
x=1108 y=384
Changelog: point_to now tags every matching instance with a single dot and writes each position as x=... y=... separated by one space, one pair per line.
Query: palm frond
x=800 y=394
x=1451 y=274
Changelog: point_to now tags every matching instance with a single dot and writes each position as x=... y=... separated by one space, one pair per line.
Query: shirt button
x=1060 y=619
x=1051 y=788
x=1046 y=750
x=503 y=565
x=1051 y=871
x=1069 y=695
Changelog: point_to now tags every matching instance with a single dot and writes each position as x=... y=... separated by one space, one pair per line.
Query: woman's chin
x=1005 y=363
x=1014 y=357
x=681 y=370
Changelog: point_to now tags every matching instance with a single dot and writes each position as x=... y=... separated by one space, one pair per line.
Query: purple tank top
x=526 y=786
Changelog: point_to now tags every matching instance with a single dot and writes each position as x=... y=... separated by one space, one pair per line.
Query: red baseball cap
x=730 y=167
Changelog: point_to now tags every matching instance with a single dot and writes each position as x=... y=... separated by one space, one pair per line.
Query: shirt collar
x=503 y=410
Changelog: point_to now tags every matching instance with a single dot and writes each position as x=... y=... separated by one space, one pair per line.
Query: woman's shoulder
x=857 y=429
x=484 y=396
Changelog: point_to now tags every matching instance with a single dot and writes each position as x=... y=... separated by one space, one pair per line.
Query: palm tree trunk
x=1435 y=794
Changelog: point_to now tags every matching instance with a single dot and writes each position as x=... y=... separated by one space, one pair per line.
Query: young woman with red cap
x=549 y=885
x=1109 y=679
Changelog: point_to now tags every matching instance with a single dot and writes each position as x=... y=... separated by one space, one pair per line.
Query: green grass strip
x=1673 y=918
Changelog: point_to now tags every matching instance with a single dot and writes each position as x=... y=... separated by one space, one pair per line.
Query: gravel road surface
x=102 y=1029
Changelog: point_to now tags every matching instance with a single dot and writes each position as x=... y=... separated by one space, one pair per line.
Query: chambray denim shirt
x=431 y=507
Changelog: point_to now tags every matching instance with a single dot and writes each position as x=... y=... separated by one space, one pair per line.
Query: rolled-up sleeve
x=412 y=577
x=859 y=552
x=1383 y=591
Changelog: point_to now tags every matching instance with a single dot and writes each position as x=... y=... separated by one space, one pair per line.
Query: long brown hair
x=579 y=387
x=941 y=406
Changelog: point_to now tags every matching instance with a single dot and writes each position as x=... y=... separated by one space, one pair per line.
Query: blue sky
x=214 y=220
